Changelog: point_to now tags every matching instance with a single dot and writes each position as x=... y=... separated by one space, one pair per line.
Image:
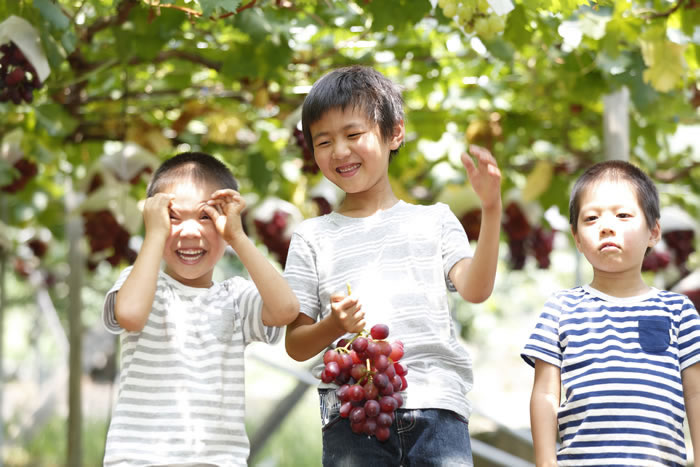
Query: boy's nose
x=341 y=149
x=189 y=228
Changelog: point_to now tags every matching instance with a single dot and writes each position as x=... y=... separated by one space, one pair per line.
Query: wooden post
x=616 y=126
x=74 y=231
x=3 y=301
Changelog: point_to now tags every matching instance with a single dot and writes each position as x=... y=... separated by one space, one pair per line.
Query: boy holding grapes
x=183 y=336
x=401 y=261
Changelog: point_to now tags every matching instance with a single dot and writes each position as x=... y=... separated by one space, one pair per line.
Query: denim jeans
x=426 y=437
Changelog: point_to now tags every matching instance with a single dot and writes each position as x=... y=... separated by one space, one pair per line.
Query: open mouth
x=191 y=255
x=347 y=169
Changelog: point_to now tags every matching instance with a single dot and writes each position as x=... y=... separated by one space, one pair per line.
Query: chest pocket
x=221 y=316
x=654 y=334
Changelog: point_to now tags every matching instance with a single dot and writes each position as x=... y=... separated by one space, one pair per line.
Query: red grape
x=379 y=331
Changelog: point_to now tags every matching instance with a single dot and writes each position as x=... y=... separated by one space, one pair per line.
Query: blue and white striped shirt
x=621 y=361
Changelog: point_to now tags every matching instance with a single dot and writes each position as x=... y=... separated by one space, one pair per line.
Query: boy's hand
x=225 y=208
x=347 y=314
x=156 y=214
x=485 y=177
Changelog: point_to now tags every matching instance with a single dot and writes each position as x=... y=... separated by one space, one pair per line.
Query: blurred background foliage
x=131 y=82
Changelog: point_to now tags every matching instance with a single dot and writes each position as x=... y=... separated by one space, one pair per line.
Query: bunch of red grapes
x=18 y=78
x=370 y=377
x=272 y=234
x=524 y=239
x=27 y=170
x=309 y=163
x=105 y=232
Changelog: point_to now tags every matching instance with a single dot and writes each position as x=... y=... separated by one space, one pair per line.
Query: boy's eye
x=624 y=215
x=321 y=143
x=354 y=135
x=205 y=217
x=589 y=218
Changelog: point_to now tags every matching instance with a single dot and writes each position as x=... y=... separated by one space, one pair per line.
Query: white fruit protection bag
x=27 y=39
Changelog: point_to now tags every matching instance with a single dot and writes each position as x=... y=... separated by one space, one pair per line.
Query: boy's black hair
x=647 y=195
x=359 y=87
x=198 y=165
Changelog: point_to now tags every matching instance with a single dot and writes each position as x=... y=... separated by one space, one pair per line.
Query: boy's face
x=194 y=246
x=350 y=151
x=613 y=233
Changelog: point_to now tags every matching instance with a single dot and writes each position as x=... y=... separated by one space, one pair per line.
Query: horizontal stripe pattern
x=397 y=262
x=621 y=361
x=182 y=388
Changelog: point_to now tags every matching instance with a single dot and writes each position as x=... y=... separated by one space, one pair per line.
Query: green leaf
x=55 y=120
x=665 y=63
x=518 y=31
x=210 y=7
x=52 y=14
x=69 y=41
x=397 y=13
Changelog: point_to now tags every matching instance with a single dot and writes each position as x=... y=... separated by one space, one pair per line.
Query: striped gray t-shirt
x=397 y=263
x=621 y=361
x=181 y=385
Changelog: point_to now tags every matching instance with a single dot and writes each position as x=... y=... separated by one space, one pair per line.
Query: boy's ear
x=655 y=234
x=397 y=136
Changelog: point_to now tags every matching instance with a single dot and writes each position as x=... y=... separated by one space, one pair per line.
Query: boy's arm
x=474 y=277
x=306 y=337
x=135 y=297
x=544 y=402
x=280 y=305
x=691 y=394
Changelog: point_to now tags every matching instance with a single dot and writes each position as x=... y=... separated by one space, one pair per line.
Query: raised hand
x=225 y=208
x=347 y=313
x=484 y=176
x=156 y=214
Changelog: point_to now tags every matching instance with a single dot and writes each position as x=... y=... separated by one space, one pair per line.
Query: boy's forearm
x=478 y=280
x=280 y=305
x=543 y=419
x=308 y=340
x=135 y=297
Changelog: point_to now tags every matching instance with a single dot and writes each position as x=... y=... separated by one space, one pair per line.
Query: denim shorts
x=419 y=437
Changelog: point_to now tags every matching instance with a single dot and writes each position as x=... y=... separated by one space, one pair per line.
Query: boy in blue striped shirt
x=624 y=353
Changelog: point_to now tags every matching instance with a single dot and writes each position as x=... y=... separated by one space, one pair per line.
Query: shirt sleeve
x=301 y=274
x=543 y=343
x=108 y=318
x=689 y=335
x=250 y=304
x=454 y=241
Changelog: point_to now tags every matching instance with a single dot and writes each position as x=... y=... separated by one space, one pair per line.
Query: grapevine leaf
x=665 y=63
x=399 y=13
x=52 y=14
x=538 y=180
x=211 y=7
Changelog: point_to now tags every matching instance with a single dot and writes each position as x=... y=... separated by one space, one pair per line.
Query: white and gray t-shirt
x=397 y=263
x=181 y=385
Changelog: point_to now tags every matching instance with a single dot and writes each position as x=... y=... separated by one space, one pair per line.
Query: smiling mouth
x=191 y=255
x=347 y=168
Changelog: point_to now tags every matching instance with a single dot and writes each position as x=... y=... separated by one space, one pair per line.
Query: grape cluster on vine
x=18 y=78
x=309 y=165
x=106 y=234
x=27 y=170
x=273 y=234
x=474 y=16
x=371 y=377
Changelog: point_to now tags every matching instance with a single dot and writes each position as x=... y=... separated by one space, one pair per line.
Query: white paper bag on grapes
x=27 y=39
x=371 y=378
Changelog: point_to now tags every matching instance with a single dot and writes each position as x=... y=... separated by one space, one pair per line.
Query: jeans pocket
x=654 y=335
